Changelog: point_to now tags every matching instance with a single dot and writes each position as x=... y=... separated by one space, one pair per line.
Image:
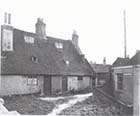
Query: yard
x=77 y=105
x=28 y=104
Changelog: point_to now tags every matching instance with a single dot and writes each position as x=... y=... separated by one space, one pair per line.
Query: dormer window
x=67 y=62
x=59 y=45
x=34 y=59
x=29 y=39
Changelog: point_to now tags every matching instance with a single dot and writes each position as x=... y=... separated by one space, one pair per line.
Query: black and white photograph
x=70 y=57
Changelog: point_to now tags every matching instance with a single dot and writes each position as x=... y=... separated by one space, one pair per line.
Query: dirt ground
x=28 y=105
x=95 y=105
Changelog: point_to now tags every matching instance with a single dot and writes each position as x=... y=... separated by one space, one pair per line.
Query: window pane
x=29 y=81
x=120 y=81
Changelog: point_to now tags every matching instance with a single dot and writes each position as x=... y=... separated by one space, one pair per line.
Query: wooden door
x=93 y=82
x=47 y=85
x=64 y=84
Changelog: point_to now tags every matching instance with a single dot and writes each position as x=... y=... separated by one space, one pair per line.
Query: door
x=64 y=84
x=93 y=82
x=47 y=84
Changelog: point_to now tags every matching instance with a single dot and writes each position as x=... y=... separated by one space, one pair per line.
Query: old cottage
x=35 y=62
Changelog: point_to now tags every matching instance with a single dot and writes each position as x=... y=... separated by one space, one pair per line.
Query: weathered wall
x=56 y=84
x=11 y=85
x=127 y=93
x=81 y=84
x=74 y=83
x=136 y=108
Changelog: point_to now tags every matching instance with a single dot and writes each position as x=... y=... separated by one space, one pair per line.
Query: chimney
x=104 y=60
x=75 y=38
x=7 y=33
x=40 y=27
x=9 y=18
x=5 y=17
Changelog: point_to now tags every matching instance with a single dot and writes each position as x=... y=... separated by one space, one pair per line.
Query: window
x=67 y=62
x=80 y=78
x=29 y=39
x=34 y=59
x=120 y=81
x=32 y=80
x=59 y=45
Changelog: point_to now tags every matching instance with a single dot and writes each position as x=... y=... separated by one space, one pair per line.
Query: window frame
x=59 y=45
x=28 y=39
x=33 y=80
x=35 y=59
x=120 y=79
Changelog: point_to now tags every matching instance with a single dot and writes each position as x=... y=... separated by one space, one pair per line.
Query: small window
x=34 y=59
x=29 y=39
x=59 y=45
x=80 y=78
x=67 y=62
x=32 y=80
x=120 y=81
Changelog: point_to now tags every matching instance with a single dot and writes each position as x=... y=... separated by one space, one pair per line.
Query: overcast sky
x=99 y=23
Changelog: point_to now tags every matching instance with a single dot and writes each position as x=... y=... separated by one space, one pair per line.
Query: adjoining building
x=126 y=81
x=35 y=62
x=102 y=72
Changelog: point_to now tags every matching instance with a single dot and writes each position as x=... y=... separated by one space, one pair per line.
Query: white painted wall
x=56 y=83
x=74 y=83
x=18 y=85
x=136 y=91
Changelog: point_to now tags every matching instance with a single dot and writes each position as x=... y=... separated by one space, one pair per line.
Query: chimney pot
x=5 y=17
x=75 y=37
x=9 y=18
x=104 y=60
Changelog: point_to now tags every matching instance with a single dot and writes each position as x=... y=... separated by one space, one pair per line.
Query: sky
x=99 y=23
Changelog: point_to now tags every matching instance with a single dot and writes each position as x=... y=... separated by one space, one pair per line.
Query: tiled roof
x=51 y=61
x=120 y=62
x=135 y=60
x=101 y=68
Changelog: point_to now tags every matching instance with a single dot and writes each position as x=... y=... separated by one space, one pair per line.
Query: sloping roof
x=135 y=60
x=101 y=68
x=51 y=61
x=120 y=62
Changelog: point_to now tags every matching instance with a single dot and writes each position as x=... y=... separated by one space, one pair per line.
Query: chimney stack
x=104 y=60
x=40 y=27
x=5 y=17
x=75 y=37
x=9 y=18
